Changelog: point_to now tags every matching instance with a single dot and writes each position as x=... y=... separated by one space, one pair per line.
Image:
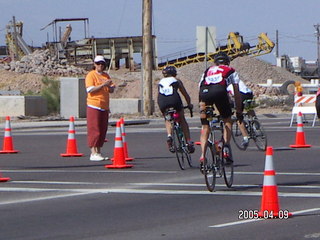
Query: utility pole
x=15 y=39
x=277 y=44
x=147 y=54
x=318 y=47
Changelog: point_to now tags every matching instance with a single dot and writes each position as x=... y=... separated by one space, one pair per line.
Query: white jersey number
x=214 y=79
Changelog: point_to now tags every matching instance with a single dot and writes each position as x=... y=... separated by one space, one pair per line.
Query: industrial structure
x=235 y=47
x=81 y=52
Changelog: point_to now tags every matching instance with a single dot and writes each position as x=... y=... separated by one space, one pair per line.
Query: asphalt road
x=51 y=197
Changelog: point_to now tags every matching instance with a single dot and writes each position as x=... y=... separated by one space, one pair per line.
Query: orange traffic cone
x=300 y=137
x=7 y=141
x=4 y=179
x=125 y=146
x=71 y=150
x=118 y=154
x=269 y=203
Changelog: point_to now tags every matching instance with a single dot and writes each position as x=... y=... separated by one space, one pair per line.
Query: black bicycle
x=253 y=126
x=215 y=162
x=179 y=141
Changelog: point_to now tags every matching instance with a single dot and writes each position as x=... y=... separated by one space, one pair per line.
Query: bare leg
x=204 y=139
x=168 y=127
x=204 y=131
x=184 y=125
x=227 y=129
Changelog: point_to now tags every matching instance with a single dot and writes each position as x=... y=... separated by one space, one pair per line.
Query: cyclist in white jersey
x=168 y=97
x=246 y=94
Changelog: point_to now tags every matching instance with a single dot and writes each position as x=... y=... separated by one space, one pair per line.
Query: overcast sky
x=174 y=21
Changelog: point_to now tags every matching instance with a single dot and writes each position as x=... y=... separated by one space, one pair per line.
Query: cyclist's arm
x=234 y=80
x=237 y=98
x=184 y=92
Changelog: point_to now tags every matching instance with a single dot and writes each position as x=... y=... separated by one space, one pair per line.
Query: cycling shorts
x=216 y=94
x=172 y=101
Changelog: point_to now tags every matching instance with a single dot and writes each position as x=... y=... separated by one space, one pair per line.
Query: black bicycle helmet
x=169 y=71
x=221 y=58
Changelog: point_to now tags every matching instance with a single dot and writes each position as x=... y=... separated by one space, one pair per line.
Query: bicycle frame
x=214 y=161
x=179 y=141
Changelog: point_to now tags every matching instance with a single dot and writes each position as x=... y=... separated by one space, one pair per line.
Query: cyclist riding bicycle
x=213 y=90
x=246 y=94
x=169 y=97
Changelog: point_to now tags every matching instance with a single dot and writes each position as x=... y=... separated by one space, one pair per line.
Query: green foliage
x=51 y=92
x=30 y=93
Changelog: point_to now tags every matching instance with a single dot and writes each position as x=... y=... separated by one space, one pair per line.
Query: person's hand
x=107 y=83
x=190 y=106
x=239 y=116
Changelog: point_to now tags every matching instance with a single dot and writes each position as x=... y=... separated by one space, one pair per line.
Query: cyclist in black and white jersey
x=169 y=97
x=213 y=90
x=246 y=94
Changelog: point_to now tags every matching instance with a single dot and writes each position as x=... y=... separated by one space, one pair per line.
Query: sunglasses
x=100 y=63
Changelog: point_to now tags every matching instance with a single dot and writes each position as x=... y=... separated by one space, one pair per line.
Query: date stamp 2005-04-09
x=255 y=214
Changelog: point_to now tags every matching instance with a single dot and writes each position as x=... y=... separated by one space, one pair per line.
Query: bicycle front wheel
x=237 y=136
x=259 y=135
x=177 y=143
x=209 y=170
x=227 y=167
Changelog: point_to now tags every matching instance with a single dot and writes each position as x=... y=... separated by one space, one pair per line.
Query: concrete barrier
x=125 y=105
x=23 y=106
x=73 y=99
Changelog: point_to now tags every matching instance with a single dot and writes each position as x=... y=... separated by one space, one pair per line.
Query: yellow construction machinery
x=17 y=47
x=235 y=47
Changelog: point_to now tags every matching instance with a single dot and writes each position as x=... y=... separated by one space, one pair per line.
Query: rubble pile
x=41 y=62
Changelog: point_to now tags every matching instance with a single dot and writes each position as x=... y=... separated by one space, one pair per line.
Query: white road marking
x=222 y=185
x=6 y=202
x=161 y=184
x=259 y=219
x=157 y=191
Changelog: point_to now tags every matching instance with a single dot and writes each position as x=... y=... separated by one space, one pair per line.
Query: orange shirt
x=100 y=98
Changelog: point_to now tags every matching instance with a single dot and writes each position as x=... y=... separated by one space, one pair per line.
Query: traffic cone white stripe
x=269 y=180
x=118 y=138
x=299 y=129
x=269 y=163
x=7 y=132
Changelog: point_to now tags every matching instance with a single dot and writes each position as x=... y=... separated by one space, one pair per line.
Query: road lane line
x=235 y=223
x=222 y=185
x=259 y=219
x=42 y=198
x=77 y=192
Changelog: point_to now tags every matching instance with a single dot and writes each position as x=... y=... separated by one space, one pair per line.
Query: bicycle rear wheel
x=209 y=168
x=177 y=143
x=259 y=135
x=227 y=168
x=237 y=136
x=188 y=156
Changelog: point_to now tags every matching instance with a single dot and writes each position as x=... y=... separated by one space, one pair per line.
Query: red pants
x=97 y=126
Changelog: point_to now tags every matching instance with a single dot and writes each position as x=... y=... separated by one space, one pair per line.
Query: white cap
x=99 y=59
